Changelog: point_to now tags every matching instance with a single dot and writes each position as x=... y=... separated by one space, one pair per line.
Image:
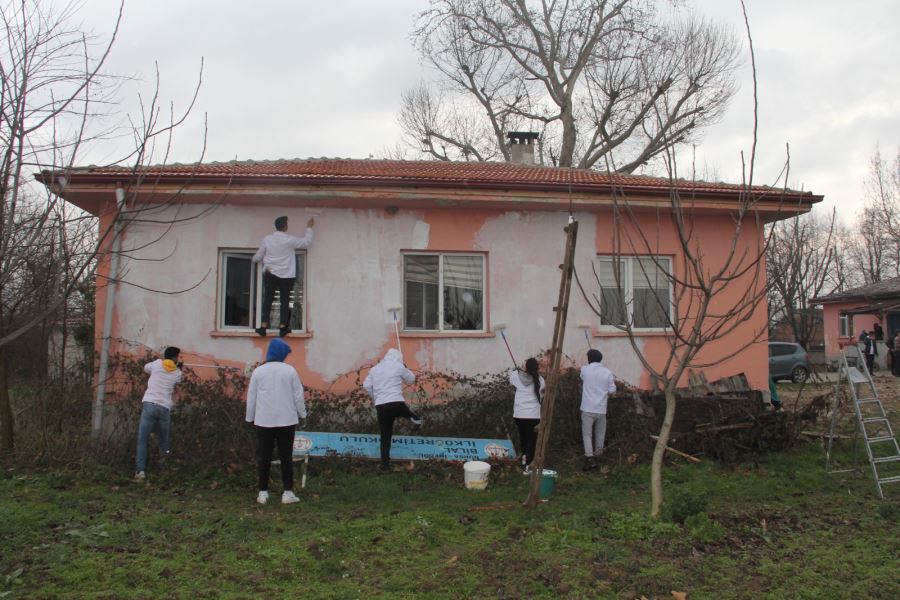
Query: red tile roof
x=337 y=171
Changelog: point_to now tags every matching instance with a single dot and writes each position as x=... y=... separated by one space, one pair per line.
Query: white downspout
x=115 y=244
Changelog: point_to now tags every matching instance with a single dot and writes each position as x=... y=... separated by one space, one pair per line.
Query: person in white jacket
x=597 y=384
x=385 y=385
x=277 y=255
x=275 y=406
x=527 y=408
x=156 y=407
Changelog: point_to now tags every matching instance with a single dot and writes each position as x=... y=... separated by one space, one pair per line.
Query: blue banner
x=403 y=447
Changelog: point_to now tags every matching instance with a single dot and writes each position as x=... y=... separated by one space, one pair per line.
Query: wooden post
x=559 y=332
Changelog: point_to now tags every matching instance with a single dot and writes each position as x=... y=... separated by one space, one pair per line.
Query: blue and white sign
x=403 y=447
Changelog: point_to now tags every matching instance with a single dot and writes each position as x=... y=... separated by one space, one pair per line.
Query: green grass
x=779 y=528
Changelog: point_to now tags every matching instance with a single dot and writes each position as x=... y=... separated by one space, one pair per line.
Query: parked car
x=788 y=361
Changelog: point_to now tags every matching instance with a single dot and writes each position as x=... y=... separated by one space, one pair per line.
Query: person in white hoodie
x=156 y=407
x=597 y=384
x=276 y=253
x=527 y=408
x=385 y=385
x=275 y=406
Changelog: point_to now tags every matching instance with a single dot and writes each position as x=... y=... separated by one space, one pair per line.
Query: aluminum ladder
x=873 y=424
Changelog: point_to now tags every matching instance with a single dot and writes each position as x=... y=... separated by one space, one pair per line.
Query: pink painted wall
x=742 y=348
x=355 y=273
x=831 y=317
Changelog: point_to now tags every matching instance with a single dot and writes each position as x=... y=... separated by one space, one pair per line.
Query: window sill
x=606 y=333
x=447 y=334
x=250 y=333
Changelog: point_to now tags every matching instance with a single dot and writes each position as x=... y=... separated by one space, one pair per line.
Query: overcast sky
x=303 y=78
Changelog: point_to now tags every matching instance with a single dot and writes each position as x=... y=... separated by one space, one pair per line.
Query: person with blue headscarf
x=275 y=407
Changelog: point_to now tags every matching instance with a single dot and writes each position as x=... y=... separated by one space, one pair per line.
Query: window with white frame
x=241 y=293
x=443 y=292
x=844 y=326
x=635 y=290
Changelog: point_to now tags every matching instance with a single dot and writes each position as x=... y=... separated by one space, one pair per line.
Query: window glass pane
x=651 y=292
x=463 y=296
x=420 y=277
x=612 y=297
x=236 y=302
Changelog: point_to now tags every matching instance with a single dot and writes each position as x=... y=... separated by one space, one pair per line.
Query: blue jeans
x=153 y=417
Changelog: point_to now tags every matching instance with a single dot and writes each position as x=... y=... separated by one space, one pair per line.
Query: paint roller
x=500 y=327
x=394 y=310
x=585 y=327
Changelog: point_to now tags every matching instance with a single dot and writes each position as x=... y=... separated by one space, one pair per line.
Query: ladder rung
x=882 y=438
x=874 y=419
x=890 y=479
x=884 y=459
x=870 y=401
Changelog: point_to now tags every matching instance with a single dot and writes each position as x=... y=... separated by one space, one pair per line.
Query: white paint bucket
x=476 y=474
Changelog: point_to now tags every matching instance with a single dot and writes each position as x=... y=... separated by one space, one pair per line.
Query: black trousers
x=527 y=437
x=268 y=437
x=284 y=285
x=386 y=415
x=895 y=365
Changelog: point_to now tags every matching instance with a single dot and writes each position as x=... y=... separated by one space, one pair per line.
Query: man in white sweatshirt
x=597 y=384
x=156 y=408
x=385 y=384
x=275 y=406
x=277 y=255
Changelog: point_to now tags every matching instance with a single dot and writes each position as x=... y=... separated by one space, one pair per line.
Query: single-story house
x=846 y=314
x=459 y=246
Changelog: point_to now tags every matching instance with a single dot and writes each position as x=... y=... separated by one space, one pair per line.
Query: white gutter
x=115 y=244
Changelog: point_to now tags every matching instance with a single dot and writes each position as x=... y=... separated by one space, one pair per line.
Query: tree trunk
x=656 y=493
x=7 y=441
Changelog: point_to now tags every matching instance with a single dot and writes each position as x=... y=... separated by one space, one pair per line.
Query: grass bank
x=776 y=528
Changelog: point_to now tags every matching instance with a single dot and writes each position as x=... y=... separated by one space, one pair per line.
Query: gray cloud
x=303 y=78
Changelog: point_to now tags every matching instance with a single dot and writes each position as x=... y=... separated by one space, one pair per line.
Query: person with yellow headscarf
x=156 y=412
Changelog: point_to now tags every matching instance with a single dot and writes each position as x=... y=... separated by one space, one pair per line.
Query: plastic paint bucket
x=476 y=474
x=548 y=483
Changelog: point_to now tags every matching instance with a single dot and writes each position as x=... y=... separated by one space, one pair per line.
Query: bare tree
x=594 y=77
x=54 y=100
x=703 y=293
x=800 y=265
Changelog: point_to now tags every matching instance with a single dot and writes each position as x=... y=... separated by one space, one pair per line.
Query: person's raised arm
x=307 y=239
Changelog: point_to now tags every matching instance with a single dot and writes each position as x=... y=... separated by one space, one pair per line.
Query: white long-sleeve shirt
x=276 y=252
x=385 y=381
x=526 y=405
x=275 y=396
x=161 y=384
x=598 y=383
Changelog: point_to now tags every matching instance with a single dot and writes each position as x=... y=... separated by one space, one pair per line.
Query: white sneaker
x=526 y=470
x=262 y=498
x=417 y=422
x=140 y=477
x=288 y=497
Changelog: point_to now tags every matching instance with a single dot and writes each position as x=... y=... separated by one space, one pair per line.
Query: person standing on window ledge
x=278 y=258
x=385 y=384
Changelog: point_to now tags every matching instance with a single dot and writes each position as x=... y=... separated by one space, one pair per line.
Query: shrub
x=684 y=503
